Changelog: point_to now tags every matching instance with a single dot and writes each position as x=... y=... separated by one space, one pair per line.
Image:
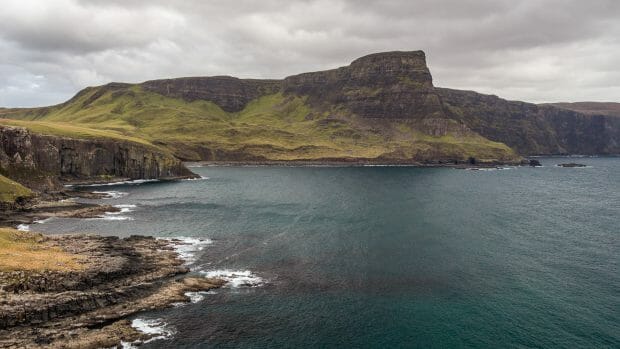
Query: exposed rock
x=572 y=164
x=592 y=108
x=398 y=85
x=535 y=163
x=391 y=85
x=531 y=129
x=39 y=160
x=373 y=93
x=229 y=93
x=80 y=308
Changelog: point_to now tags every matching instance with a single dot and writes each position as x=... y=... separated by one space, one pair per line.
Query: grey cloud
x=545 y=50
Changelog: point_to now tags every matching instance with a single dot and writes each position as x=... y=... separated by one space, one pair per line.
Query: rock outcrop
x=384 y=97
x=533 y=129
x=73 y=308
x=229 y=93
x=29 y=157
x=392 y=85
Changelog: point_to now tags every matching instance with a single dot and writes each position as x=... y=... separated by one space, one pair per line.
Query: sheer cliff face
x=31 y=157
x=383 y=87
x=393 y=85
x=531 y=129
x=381 y=105
x=230 y=93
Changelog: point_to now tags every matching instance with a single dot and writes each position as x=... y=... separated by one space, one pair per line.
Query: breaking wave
x=235 y=278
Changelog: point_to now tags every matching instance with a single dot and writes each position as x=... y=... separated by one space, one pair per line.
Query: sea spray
x=235 y=278
x=188 y=247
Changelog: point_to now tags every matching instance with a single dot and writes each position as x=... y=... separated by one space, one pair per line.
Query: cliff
x=382 y=108
x=532 y=129
x=591 y=108
x=39 y=160
x=394 y=85
x=229 y=93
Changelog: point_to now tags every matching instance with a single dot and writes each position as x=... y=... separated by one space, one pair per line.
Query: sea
x=383 y=257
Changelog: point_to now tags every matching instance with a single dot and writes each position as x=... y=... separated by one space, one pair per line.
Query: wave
x=195 y=297
x=131 y=182
x=196 y=179
x=110 y=217
x=187 y=247
x=235 y=278
x=117 y=215
x=124 y=208
x=155 y=327
x=489 y=168
x=23 y=227
x=112 y=194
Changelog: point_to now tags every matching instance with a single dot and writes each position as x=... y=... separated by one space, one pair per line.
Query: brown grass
x=28 y=251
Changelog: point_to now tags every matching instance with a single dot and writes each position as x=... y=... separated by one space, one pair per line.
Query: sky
x=531 y=50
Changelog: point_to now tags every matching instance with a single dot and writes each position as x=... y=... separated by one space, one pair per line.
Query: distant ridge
x=382 y=108
x=591 y=108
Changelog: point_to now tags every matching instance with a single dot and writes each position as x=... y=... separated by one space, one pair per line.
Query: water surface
x=390 y=257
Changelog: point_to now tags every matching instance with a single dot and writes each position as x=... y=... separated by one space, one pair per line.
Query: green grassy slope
x=273 y=127
x=11 y=190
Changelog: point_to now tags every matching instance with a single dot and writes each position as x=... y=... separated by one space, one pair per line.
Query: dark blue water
x=392 y=257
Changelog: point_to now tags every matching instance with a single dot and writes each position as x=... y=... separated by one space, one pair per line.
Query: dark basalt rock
x=399 y=85
x=391 y=85
x=229 y=93
x=377 y=89
x=535 y=163
x=533 y=129
x=39 y=160
x=571 y=164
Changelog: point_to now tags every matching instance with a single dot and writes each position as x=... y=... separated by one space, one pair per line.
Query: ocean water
x=386 y=257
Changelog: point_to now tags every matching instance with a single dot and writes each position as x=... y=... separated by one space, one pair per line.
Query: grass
x=27 y=251
x=65 y=129
x=275 y=127
x=11 y=190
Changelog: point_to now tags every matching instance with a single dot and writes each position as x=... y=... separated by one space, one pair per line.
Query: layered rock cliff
x=39 y=160
x=393 y=85
x=231 y=94
x=382 y=107
x=532 y=129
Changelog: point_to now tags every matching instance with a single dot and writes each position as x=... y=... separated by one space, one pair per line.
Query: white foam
x=155 y=327
x=195 y=297
x=489 y=168
x=23 y=227
x=116 y=215
x=112 y=194
x=125 y=208
x=41 y=221
x=111 y=217
x=196 y=179
x=132 y=182
x=187 y=247
x=236 y=278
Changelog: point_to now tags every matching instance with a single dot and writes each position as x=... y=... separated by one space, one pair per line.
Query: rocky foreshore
x=37 y=209
x=84 y=302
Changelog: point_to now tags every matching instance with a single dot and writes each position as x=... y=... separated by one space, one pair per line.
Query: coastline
x=84 y=302
x=352 y=163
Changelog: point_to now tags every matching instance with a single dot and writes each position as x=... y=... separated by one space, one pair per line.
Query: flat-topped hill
x=381 y=108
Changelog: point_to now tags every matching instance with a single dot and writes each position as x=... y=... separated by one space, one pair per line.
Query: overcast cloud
x=537 y=51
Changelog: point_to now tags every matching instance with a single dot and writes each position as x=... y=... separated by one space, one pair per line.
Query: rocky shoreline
x=357 y=163
x=36 y=209
x=87 y=306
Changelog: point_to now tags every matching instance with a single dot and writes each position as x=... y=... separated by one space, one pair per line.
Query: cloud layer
x=533 y=50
